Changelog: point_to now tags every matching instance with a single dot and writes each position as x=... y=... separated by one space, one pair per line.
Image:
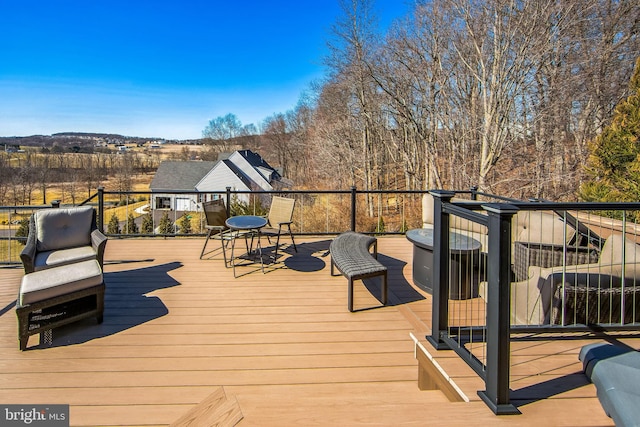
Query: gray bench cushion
x=621 y=406
x=592 y=353
x=56 y=281
x=63 y=228
x=615 y=371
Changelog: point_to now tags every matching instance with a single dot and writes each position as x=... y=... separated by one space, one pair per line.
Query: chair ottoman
x=58 y=296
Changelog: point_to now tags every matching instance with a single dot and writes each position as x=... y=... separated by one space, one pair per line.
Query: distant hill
x=80 y=139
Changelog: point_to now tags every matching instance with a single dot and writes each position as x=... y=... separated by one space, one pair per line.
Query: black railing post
x=498 y=309
x=228 y=201
x=440 y=272
x=353 y=208
x=101 y=209
x=474 y=192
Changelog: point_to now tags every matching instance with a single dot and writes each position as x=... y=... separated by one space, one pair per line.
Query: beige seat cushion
x=49 y=259
x=53 y=282
x=457 y=223
x=541 y=227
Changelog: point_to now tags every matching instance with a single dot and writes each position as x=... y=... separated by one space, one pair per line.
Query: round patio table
x=246 y=226
x=465 y=256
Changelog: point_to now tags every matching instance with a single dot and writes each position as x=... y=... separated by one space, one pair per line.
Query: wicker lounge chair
x=607 y=291
x=62 y=236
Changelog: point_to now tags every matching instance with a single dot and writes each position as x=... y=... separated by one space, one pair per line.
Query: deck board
x=283 y=344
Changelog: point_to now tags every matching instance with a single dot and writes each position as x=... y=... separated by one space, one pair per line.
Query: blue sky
x=158 y=68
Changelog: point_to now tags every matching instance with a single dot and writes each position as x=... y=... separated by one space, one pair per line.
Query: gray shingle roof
x=256 y=161
x=180 y=175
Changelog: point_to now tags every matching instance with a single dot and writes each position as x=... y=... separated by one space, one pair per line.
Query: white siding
x=221 y=177
x=267 y=173
x=176 y=202
x=246 y=168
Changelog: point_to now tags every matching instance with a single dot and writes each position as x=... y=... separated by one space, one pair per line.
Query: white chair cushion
x=614 y=251
x=457 y=223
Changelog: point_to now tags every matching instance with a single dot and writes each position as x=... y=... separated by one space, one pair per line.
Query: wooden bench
x=57 y=296
x=350 y=254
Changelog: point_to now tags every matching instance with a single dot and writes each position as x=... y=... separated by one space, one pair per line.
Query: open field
x=141 y=183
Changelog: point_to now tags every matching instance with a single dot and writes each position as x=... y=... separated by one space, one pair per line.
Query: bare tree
x=497 y=46
x=44 y=172
x=351 y=56
x=274 y=128
x=5 y=174
x=222 y=130
x=299 y=127
x=336 y=140
x=409 y=71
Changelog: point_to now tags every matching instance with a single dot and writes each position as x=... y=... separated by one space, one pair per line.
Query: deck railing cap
x=500 y=208
x=442 y=193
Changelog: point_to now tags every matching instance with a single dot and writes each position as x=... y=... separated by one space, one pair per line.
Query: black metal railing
x=317 y=212
x=407 y=211
x=545 y=268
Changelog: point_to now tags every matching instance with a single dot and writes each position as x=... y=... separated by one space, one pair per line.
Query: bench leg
x=384 y=288
x=383 y=291
x=350 y=303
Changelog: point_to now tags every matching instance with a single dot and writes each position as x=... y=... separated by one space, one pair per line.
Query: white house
x=241 y=170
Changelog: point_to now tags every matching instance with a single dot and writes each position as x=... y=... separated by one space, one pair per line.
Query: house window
x=163 y=203
x=183 y=204
x=205 y=197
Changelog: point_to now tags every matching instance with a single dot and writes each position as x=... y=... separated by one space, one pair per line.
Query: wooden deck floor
x=283 y=344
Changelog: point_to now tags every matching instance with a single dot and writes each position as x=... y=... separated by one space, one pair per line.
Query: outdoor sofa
x=600 y=292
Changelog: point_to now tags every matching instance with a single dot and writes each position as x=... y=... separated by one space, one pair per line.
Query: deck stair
x=431 y=376
x=216 y=410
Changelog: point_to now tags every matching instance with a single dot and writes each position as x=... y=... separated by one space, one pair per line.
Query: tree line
x=502 y=94
x=75 y=175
